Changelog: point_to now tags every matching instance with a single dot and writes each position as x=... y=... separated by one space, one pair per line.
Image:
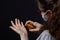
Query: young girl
x=49 y=31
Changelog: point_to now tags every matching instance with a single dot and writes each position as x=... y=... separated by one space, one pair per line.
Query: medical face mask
x=45 y=18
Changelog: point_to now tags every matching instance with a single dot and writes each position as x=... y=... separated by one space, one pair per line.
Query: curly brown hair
x=53 y=24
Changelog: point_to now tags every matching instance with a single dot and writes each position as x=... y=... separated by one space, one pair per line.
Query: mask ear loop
x=43 y=16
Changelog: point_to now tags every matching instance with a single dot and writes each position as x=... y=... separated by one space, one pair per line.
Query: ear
x=48 y=13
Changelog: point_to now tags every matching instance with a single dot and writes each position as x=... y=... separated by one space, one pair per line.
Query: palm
x=18 y=27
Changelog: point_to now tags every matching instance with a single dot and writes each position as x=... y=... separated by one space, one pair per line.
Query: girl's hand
x=18 y=27
x=36 y=24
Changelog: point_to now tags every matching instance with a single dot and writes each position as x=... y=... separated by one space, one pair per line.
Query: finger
x=16 y=30
x=33 y=30
x=23 y=27
x=29 y=22
x=13 y=24
x=38 y=25
x=13 y=28
x=19 y=23
x=22 y=24
x=16 y=22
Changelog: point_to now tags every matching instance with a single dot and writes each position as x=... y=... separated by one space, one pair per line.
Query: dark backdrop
x=22 y=9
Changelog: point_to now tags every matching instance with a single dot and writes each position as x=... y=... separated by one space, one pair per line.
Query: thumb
x=34 y=30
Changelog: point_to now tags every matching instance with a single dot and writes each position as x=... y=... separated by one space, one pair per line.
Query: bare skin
x=20 y=29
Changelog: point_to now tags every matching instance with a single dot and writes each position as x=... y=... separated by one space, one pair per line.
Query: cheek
x=46 y=17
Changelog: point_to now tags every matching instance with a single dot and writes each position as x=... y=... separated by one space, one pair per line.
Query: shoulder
x=45 y=32
x=45 y=35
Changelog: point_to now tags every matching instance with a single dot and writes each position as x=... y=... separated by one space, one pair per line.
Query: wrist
x=24 y=36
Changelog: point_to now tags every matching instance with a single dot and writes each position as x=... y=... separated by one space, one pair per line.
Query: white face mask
x=45 y=18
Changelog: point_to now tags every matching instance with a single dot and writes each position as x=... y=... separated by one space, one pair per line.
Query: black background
x=22 y=9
